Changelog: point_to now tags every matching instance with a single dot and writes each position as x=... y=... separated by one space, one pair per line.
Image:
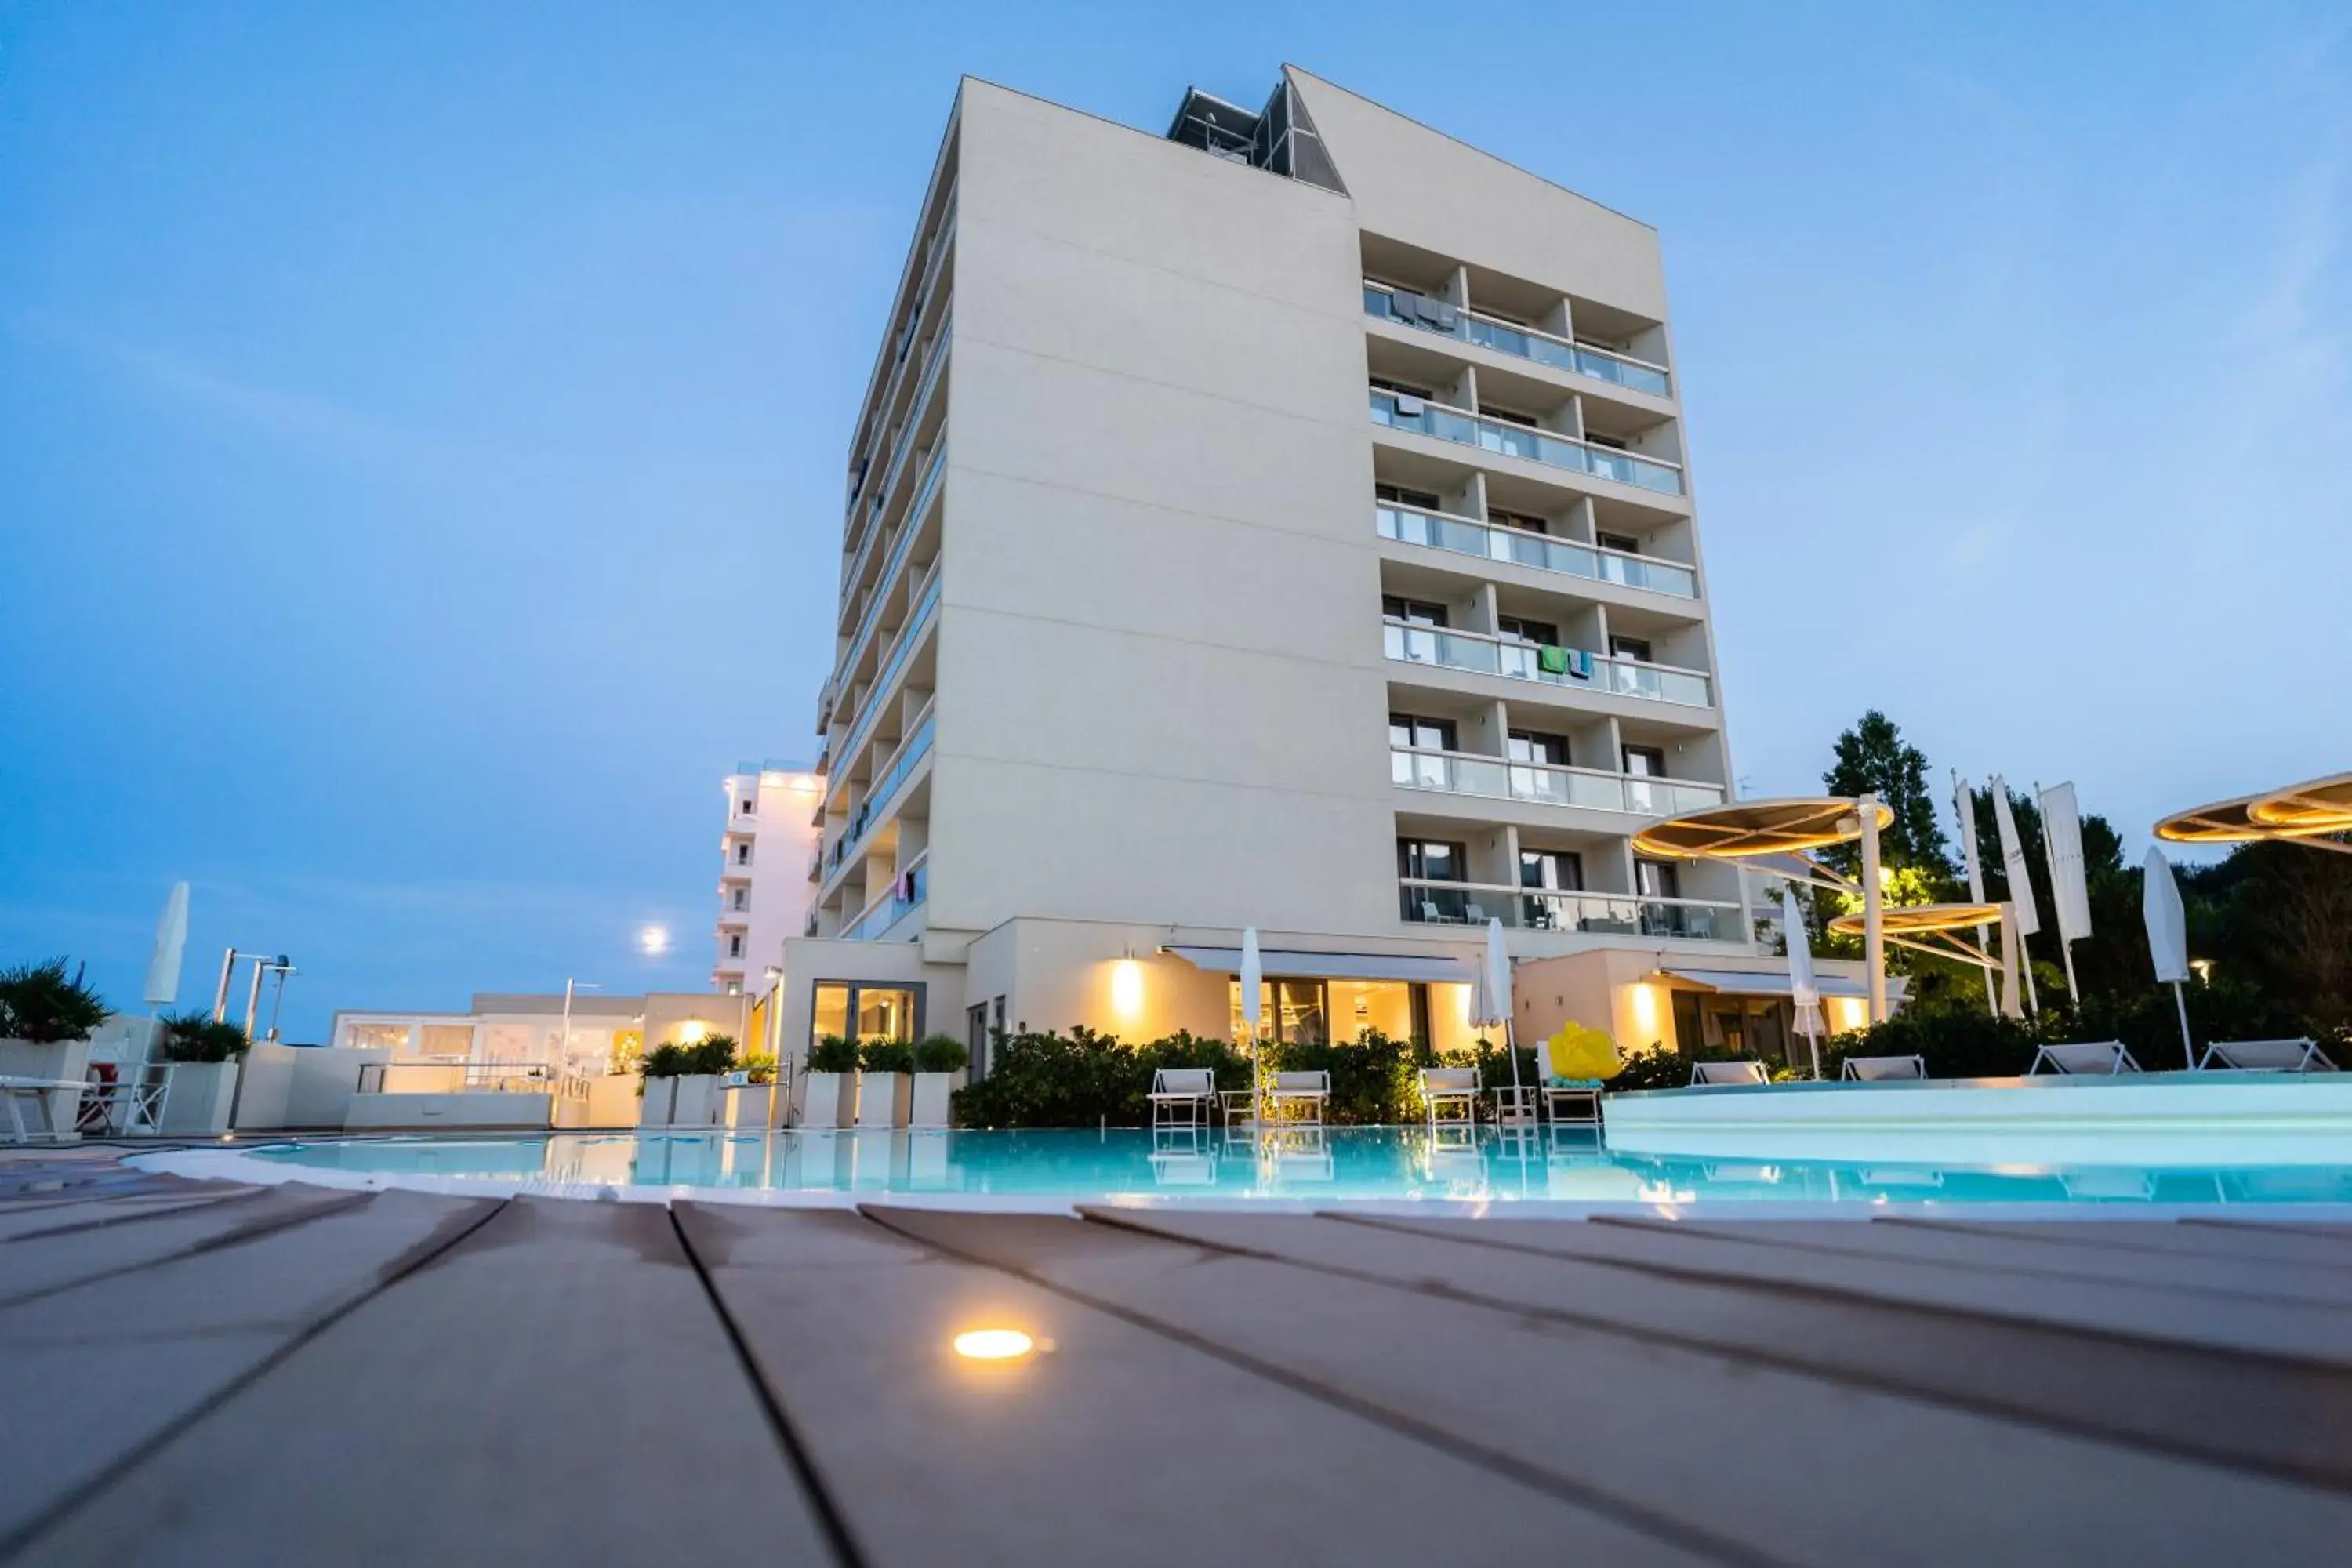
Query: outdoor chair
x=19 y=1091
x=1877 y=1070
x=1715 y=1075
x=1515 y=1107
x=1566 y=1100
x=2267 y=1056
x=1183 y=1097
x=1449 y=1096
x=2096 y=1058
x=1301 y=1096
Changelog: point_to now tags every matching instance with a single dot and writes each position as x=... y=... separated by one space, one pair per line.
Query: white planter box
x=202 y=1095
x=661 y=1095
x=831 y=1100
x=884 y=1099
x=697 y=1101
x=933 y=1102
x=65 y=1060
x=750 y=1105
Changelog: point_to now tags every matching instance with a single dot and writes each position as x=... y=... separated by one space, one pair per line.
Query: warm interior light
x=691 y=1032
x=1645 y=1014
x=1126 y=988
x=994 y=1344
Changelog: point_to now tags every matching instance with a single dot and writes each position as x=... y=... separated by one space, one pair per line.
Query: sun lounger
x=1301 y=1096
x=1449 y=1096
x=1565 y=1098
x=39 y=1092
x=1874 y=1069
x=2267 y=1056
x=1710 y=1074
x=2096 y=1058
x=1183 y=1097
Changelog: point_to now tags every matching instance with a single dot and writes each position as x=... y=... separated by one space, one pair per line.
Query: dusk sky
x=422 y=426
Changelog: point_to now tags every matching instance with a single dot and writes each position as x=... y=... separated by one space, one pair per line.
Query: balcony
x=903 y=649
x=910 y=752
x=1422 y=902
x=908 y=532
x=1572 y=667
x=907 y=892
x=1547 y=783
x=1423 y=417
x=1467 y=536
x=1383 y=304
x=869 y=528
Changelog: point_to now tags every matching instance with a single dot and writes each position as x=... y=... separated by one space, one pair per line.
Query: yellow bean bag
x=1578 y=1052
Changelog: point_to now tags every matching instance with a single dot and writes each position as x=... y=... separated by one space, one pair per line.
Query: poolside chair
x=1876 y=1069
x=1566 y=1100
x=1705 y=1075
x=1516 y=1107
x=2268 y=1056
x=1449 y=1096
x=2096 y=1058
x=40 y=1092
x=1301 y=1096
x=1183 y=1097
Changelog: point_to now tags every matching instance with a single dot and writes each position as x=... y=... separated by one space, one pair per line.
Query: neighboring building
x=597 y=1035
x=765 y=854
x=1285 y=522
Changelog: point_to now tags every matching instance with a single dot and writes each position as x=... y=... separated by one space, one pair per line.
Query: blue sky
x=422 y=426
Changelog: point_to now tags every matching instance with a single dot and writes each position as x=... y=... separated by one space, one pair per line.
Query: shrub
x=758 y=1068
x=940 y=1053
x=1083 y=1079
x=665 y=1060
x=1374 y=1078
x=886 y=1056
x=710 y=1053
x=41 y=1003
x=832 y=1054
x=1955 y=1042
x=192 y=1036
x=1660 y=1066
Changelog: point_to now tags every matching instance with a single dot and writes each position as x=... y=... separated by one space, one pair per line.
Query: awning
x=1330 y=966
x=1764 y=982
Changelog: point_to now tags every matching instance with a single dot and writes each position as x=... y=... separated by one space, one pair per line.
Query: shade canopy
x=1771 y=983
x=2322 y=805
x=1918 y=919
x=2167 y=922
x=1329 y=965
x=1756 y=827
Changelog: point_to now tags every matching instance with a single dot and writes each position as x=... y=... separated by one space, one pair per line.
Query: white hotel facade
x=1286 y=521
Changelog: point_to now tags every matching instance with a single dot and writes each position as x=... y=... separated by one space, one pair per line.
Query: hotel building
x=764 y=850
x=1287 y=521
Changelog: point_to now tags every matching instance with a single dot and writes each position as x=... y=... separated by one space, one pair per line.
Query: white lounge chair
x=1876 y=1069
x=1300 y=1097
x=2268 y=1056
x=2095 y=1058
x=45 y=1094
x=1710 y=1074
x=1566 y=1100
x=1183 y=1097
x=1449 y=1096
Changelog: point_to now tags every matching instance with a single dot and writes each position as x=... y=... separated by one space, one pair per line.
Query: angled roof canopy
x=1918 y=919
x=1755 y=827
x=2322 y=805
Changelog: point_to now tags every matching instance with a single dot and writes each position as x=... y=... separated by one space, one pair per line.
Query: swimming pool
x=1054 y=1168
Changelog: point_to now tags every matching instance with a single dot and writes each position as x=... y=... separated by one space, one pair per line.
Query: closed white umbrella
x=1803 y=989
x=171 y=940
x=1491 y=997
x=2021 y=884
x=1253 y=980
x=2168 y=934
x=2070 y=891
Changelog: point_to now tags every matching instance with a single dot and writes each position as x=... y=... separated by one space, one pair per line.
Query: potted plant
x=659 y=1069
x=752 y=1102
x=702 y=1065
x=832 y=1096
x=204 y=1059
x=45 y=1017
x=885 y=1083
x=939 y=1062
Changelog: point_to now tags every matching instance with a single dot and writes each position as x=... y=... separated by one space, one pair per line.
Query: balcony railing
x=911 y=751
x=1547 y=783
x=1423 y=902
x=1467 y=536
x=901 y=651
x=921 y=305
x=907 y=892
x=1576 y=668
x=870 y=529
x=907 y=531
x=1424 y=418
x=1526 y=343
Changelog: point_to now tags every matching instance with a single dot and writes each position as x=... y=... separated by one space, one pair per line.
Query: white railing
x=927 y=599
x=1526 y=343
x=919 y=302
x=907 y=891
x=908 y=532
x=1547 y=783
x=1572 y=667
x=1426 y=902
x=1492 y=541
x=1423 y=417
x=903 y=762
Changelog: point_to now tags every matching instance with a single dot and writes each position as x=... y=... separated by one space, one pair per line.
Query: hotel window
x=742 y=854
x=1422 y=735
x=1620 y=542
x=1636 y=649
x=1421 y=861
x=1526 y=522
x=742 y=898
x=1614 y=443
x=735 y=945
x=1517 y=628
x=747 y=805
x=1530 y=747
x=1549 y=871
x=1397 y=495
x=1507 y=416
x=1657 y=880
x=1414 y=612
x=1292 y=1011
x=848 y=1009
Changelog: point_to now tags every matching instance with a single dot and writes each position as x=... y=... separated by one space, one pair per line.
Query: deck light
x=994 y=1344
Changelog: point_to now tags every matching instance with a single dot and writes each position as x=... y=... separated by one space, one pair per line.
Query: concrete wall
x=300 y=1088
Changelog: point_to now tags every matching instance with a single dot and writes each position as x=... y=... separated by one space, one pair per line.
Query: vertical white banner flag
x=2012 y=859
x=1966 y=807
x=2062 y=834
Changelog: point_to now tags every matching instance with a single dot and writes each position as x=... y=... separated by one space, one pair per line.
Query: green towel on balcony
x=1551 y=660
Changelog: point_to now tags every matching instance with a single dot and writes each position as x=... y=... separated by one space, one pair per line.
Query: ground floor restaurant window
x=1341 y=1009
x=860 y=1012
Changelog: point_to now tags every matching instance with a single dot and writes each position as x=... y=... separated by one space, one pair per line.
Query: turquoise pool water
x=1344 y=1163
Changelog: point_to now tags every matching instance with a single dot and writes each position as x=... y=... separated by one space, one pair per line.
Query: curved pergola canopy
x=2322 y=805
x=1920 y=919
x=1750 y=828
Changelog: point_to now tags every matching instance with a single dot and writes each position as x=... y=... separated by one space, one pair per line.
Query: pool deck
x=203 y=1373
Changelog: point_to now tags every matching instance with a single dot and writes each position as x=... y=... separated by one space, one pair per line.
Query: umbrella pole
x=2187 y=1045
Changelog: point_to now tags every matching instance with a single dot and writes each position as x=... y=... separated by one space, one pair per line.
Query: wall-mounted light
x=1126 y=988
x=1644 y=1002
x=994 y=1344
x=692 y=1031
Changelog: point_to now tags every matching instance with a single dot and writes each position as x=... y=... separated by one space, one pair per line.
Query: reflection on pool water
x=1340 y=1164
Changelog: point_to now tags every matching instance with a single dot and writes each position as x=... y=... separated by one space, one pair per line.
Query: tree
x=1873 y=759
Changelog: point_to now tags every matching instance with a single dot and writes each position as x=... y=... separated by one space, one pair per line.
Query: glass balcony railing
x=907 y=531
x=1422 y=902
x=901 y=651
x=1570 y=666
x=1524 y=343
x=1424 y=418
x=907 y=892
x=911 y=751
x=1547 y=783
x=1466 y=537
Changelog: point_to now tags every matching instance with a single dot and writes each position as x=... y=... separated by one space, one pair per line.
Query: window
x=742 y=898
x=1531 y=746
x=1624 y=542
x=1614 y=443
x=1288 y=1010
x=1397 y=495
x=1399 y=388
x=1421 y=861
x=1549 y=871
x=742 y=854
x=1515 y=629
x=746 y=806
x=1415 y=611
x=1657 y=880
x=1526 y=521
x=1631 y=648
x=975 y=1038
x=1507 y=416
x=1645 y=762
x=1423 y=734
x=853 y=1010
x=735 y=945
